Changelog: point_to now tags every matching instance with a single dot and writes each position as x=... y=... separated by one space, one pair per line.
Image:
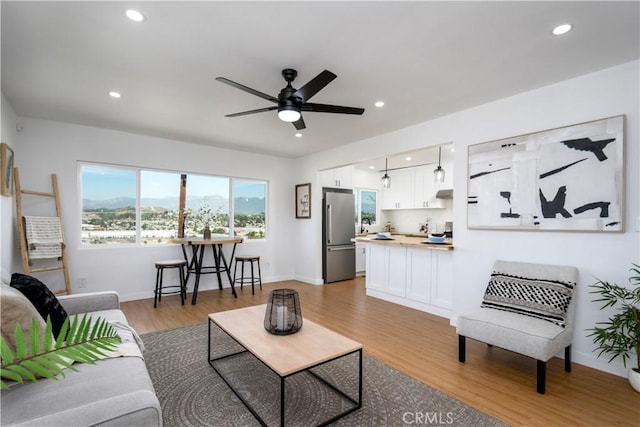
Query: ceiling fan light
x=288 y=114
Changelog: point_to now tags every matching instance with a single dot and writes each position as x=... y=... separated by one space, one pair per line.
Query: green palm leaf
x=80 y=340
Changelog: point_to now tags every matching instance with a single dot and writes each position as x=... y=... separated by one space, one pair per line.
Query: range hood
x=444 y=194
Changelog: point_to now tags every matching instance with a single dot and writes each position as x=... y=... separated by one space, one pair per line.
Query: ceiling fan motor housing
x=285 y=99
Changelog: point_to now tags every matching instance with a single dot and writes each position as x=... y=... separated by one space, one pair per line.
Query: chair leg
x=155 y=292
x=160 y=284
x=462 y=348
x=182 y=285
x=567 y=358
x=241 y=274
x=253 y=288
x=259 y=274
x=542 y=374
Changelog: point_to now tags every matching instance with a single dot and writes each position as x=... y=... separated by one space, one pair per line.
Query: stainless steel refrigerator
x=338 y=230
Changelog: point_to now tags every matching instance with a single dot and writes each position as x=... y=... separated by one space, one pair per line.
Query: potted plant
x=620 y=334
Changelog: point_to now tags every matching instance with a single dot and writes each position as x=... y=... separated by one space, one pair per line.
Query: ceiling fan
x=291 y=101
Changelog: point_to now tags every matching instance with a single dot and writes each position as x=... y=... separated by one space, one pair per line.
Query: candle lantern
x=283 y=315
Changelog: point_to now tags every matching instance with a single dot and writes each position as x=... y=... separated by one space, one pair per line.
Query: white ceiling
x=424 y=59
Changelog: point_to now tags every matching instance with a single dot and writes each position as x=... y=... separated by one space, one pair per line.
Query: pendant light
x=386 y=179
x=438 y=173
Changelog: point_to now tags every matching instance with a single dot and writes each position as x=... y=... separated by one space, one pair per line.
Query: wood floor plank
x=425 y=347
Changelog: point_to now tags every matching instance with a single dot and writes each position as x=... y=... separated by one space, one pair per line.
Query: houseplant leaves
x=84 y=340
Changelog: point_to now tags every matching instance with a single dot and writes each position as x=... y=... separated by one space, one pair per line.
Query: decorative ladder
x=27 y=264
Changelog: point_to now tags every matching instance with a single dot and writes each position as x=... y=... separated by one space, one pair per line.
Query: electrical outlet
x=83 y=282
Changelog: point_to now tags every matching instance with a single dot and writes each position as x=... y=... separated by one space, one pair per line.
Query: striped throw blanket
x=44 y=236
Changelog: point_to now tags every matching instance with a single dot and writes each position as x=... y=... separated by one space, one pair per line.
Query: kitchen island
x=405 y=270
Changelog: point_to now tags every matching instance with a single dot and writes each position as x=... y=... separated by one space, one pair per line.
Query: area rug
x=191 y=393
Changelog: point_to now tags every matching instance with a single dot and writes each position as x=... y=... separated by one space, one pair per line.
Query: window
x=108 y=205
x=207 y=204
x=159 y=200
x=129 y=205
x=366 y=206
x=249 y=207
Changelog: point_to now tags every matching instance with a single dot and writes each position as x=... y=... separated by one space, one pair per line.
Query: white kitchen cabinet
x=441 y=279
x=361 y=256
x=386 y=269
x=419 y=275
x=412 y=188
x=400 y=194
x=415 y=277
x=425 y=189
x=338 y=178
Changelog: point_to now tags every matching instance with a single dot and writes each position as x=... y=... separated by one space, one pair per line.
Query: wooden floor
x=497 y=382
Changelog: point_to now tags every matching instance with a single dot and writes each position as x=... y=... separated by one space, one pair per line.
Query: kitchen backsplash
x=409 y=220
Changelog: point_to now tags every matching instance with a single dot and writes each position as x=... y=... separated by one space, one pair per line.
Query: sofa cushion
x=114 y=392
x=17 y=309
x=537 y=297
x=42 y=299
x=523 y=334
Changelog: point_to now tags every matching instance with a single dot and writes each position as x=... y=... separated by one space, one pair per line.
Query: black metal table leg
x=198 y=259
x=226 y=267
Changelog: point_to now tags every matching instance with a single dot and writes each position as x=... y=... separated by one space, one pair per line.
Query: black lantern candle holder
x=283 y=315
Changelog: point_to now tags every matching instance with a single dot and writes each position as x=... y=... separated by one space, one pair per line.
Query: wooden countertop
x=410 y=241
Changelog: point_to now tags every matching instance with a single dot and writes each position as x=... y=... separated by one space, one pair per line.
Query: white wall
x=47 y=147
x=294 y=248
x=8 y=135
x=594 y=96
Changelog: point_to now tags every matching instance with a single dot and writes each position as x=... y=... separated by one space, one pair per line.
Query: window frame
x=138 y=191
x=358 y=202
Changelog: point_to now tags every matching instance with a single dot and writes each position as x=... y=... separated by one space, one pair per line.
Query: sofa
x=116 y=391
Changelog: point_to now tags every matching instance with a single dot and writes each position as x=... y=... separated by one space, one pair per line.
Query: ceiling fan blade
x=247 y=89
x=259 y=110
x=325 y=108
x=314 y=85
x=299 y=124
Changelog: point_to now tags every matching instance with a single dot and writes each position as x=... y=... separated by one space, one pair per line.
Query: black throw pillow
x=42 y=299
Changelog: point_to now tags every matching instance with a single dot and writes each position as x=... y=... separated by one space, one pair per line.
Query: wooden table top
x=285 y=354
x=212 y=241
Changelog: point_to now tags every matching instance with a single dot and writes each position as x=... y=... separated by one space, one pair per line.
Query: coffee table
x=285 y=355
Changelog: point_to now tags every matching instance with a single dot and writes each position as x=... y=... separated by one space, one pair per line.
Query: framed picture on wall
x=564 y=179
x=303 y=200
x=6 y=169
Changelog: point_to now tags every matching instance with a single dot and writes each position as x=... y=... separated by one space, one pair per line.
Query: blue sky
x=104 y=183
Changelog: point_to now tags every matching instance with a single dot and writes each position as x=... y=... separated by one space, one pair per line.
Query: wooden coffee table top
x=285 y=354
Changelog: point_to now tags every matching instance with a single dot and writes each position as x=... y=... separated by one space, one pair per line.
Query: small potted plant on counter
x=620 y=334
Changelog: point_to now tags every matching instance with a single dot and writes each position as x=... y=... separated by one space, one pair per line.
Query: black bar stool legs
x=253 y=279
x=163 y=290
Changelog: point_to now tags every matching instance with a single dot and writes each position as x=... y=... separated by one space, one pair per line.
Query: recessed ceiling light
x=453 y=150
x=298 y=135
x=114 y=94
x=372 y=167
x=407 y=158
x=562 y=29
x=379 y=104
x=134 y=15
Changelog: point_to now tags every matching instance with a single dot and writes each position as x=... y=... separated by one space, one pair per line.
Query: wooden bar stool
x=180 y=264
x=242 y=280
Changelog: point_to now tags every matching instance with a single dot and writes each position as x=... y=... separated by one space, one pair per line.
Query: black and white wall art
x=570 y=178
